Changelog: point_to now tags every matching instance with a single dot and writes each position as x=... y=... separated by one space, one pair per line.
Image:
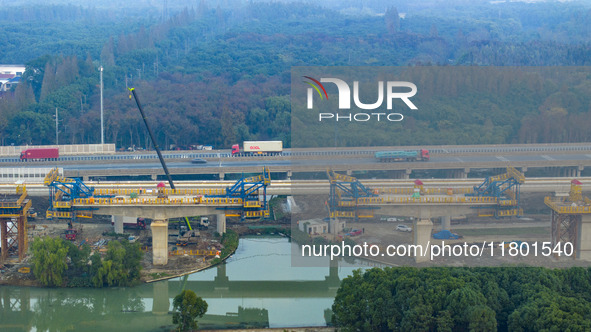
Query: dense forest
x=462 y=299
x=219 y=72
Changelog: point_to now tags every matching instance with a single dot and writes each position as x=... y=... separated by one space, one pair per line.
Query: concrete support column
x=154 y=177
x=465 y=173
x=289 y=174
x=161 y=301
x=422 y=235
x=85 y=178
x=222 y=175
x=221 y=223
x=22 y=237
x=118 y=224
x=446 y=223
x=583 y=252
x=523 y=170
x=349 y=172
x=407 y=173
x=4 y=239
x=159 y=242
x=579 y=170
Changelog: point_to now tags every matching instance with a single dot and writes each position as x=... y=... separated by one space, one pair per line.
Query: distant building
x=10 y=75
x=313 y=226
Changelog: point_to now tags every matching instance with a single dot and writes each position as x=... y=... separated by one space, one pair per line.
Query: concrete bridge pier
x=221 y=223
x=118 y=224
x=422 y=235
x=154 y=177
x=161 y=302
x=445 y=223
x=159 y=241
x=583 y=252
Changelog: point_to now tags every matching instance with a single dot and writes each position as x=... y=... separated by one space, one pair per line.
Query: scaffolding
x=13 y=223
x=567 y=216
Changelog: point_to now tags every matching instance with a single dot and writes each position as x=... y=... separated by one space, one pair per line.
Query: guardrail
x=426 y=200
x=92 y=201
x=307 y=152
x=566 y=209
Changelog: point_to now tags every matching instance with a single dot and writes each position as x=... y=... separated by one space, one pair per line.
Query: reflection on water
x=257 y=287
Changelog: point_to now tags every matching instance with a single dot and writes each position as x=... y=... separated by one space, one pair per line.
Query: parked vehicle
x=198 y=161
x=403 y=155
x=258 y=148
x=70 y=234
x=203 y=223
x=40 y=154
x=403 y=228
x=446 y=235
x=354 y=232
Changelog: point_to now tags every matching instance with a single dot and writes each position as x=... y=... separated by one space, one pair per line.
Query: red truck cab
x=235 y=149
x=425 y=154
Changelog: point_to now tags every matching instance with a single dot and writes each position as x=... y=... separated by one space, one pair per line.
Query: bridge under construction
x=349 y=199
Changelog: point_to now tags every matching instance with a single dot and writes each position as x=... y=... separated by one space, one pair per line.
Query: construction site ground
x=534 y=226
x=96 y=232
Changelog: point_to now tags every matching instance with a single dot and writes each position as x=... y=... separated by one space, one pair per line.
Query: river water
x=257 y=287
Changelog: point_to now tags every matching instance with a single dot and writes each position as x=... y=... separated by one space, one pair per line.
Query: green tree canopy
x=188 y=307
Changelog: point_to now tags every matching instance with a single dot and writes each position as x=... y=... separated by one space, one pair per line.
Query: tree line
x=465 y=299
x=60 y=263
x=219 y=75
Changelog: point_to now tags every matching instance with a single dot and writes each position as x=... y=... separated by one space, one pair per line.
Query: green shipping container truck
x=403 y=155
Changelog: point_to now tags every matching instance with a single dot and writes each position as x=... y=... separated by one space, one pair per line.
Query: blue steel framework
x=62 y=191
x=505 y=188
x=344 y=188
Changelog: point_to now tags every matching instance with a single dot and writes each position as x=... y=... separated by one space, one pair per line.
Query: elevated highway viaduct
x=571 y=160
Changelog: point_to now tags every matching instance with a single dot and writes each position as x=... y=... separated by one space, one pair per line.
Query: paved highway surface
x=464 y=161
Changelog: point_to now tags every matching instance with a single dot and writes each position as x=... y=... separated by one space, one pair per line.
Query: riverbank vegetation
x=465 y=299
x=230 y=242
x=60 y=263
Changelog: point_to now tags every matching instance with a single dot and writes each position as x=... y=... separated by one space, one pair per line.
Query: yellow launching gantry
x=497 y=196
x=571 y=219
x=71 y=198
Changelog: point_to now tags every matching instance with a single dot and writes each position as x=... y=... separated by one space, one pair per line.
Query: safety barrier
x=423 y=200
x=256 y=214
x=512 y=212
x=62 y=204
x=424 y=191
x=570 y=209
x=158 y=201
x=167 y=192
x=195 y=253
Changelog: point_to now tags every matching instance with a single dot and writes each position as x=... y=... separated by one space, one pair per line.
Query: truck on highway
x=403 y=155
x=258 y=148
x=40 y=154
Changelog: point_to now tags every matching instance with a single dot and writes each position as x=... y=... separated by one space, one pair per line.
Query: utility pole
x=56 y=128
x=102 y=121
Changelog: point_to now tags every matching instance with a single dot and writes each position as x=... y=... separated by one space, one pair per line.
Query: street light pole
x=102 y=121
x=56 y=127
